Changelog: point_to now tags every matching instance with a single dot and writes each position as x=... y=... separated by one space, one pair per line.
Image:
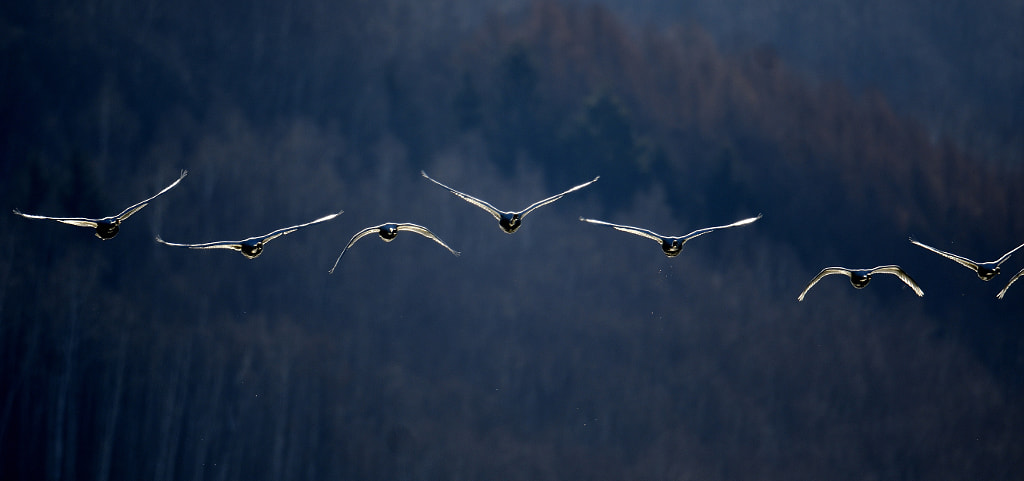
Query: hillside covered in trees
x=953 y=66
x=564 y=351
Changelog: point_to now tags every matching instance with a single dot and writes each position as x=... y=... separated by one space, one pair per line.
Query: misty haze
x=566 y=350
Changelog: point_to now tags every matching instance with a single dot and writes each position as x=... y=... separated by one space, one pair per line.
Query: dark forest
x=564 y=351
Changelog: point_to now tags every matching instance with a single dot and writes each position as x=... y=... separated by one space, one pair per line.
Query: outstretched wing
x=289 y=230
x=1003 y=292
x=79 y=221
x=1007 y=255
x=824 y=272
x=542 y=203
x=899 y=272
x=625 y=228
x=700 y=232
x=468 y=198
x=423 y=231
x=959 y=260
x=359 y=235
x=135 y=207
x=233 y=245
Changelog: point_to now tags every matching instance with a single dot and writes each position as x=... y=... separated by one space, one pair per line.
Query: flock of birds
x=510 y=221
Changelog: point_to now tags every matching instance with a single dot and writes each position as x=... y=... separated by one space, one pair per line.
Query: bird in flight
x=860 y=277
x=985 y=270
x=106 y=227
x=1012 y=280
x=508 y=220
x=253 y=246
x=388 y=232
x=672 y=246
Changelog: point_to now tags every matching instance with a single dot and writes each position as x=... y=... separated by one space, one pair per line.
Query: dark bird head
x=252 y=249
x=672 y=246
x=987 y=271
x=388 y=232
x=510 y=221
x=860 y=279
x=108 y=228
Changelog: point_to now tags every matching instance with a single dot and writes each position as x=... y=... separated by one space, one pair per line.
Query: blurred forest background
x=565 y=351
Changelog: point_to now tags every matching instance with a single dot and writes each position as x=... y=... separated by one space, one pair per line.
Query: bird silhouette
x=388 y=232
x=985 y=270
x=509 y=221
x=106 y=227
x=672 y=246
x=1012 y=280
x=253 y=246
x=861 y=277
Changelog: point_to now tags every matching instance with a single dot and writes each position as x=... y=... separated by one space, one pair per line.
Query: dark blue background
x=564 y=351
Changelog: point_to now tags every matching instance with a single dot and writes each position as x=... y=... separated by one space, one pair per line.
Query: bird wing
x=1007 y=255
x=700 y=232
x=542 y=203
x=625 y=228
x=79 y=221
x=423 y=231
x=899 y=272
x=233 y=245
x=960 y=260
x=824 y=272
x=468 y=198
x=1012 y=280
x=359 y=235
x=135 y=207
x=288 y=230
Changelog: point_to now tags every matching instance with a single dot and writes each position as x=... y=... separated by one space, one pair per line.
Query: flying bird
x=388 y=232
x=508 y=220
x=860 y=277
x=1012 y=280
x=985 y=270
x=253 y=246
x=106 y=227
x=671 y=245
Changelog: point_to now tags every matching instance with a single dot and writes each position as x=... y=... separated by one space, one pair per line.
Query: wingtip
x=751 y=220
x=919 y=243
x=337 y=261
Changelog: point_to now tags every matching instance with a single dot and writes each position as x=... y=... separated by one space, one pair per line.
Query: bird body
x=670 y=245
x=106 y=227
x=252 y=247
x=861 y=277
x=388 y=232
x=509 y=221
